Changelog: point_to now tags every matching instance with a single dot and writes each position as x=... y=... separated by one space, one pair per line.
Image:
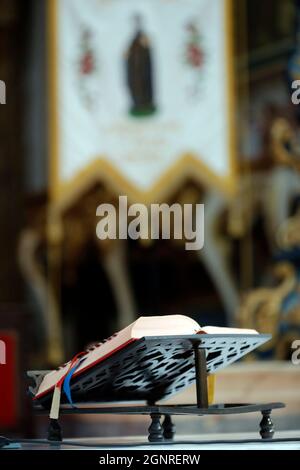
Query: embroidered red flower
x=87 y=63
x=194 y=55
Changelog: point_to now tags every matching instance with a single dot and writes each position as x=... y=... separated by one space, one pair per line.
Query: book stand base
x=165 y=431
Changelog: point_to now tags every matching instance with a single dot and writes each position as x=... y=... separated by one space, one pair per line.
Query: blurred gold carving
x=33 y=244
x=285 y=145
x=288 y=234
x=261 y=309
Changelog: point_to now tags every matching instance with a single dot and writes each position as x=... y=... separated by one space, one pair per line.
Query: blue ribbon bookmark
x=66 y=383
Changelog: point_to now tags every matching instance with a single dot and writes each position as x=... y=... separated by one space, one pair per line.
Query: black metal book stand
x=154 y=368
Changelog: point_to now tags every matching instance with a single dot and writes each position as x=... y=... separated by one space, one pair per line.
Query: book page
x=220 y=330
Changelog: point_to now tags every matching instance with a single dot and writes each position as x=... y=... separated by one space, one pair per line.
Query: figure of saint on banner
x=139 y=72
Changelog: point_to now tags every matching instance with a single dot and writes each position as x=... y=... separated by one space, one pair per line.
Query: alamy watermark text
x=138 y=221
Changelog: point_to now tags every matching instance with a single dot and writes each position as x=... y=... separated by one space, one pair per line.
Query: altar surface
x=186 y=442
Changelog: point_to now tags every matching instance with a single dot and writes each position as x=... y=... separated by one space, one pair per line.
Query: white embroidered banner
x=143 y=88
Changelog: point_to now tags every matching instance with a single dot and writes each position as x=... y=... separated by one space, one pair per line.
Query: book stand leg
x=201 y=377
x=155 y=429
x=266 y=425
x=54 y=431
x=169 y=427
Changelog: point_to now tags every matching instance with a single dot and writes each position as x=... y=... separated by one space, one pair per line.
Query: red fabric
x=61 y=381
x=9 y=385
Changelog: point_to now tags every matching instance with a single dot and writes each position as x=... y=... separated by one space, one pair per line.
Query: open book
x=143 y=327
